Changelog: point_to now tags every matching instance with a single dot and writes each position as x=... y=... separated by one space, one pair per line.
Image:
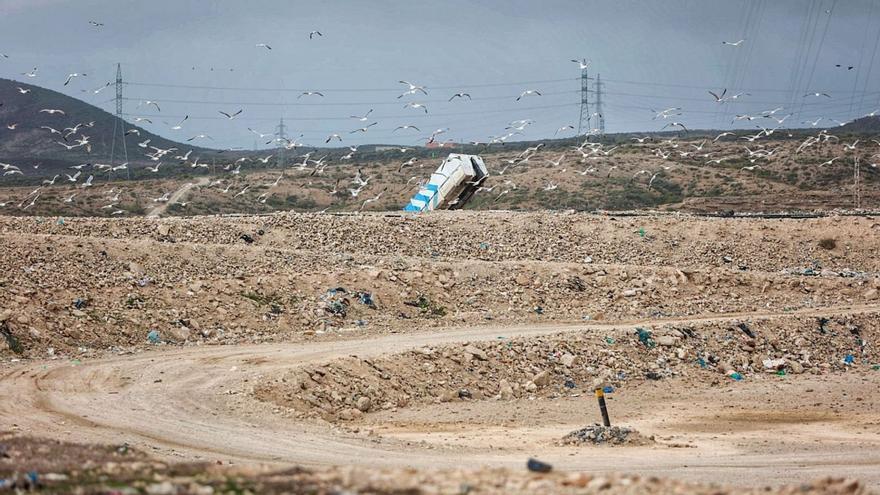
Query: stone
x=475 y=352
x=505 y=391
x=665 y=340
x=364 y=403
x=567 y=360
x=542 y=379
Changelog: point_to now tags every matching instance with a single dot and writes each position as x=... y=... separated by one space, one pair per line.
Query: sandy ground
x=239 y=318
x=192 y=404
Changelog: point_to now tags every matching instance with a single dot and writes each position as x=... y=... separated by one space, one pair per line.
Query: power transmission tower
x=119 y=124
x=600 y=113
x=281 y=134
x=585 y=102
x=857 y=193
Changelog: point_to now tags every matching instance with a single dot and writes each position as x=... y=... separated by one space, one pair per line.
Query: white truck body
x=451 y=185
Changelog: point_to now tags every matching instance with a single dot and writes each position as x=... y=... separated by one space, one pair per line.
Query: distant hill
x=864 y=125
x=28 y=144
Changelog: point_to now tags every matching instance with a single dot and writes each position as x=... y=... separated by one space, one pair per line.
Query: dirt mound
x=573 y=363
x=602 y=435
x=92 y=285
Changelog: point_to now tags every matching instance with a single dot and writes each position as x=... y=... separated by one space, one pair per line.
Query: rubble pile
x=81 y=294
x=606 y=435
x=576 y=362
x=675 y=240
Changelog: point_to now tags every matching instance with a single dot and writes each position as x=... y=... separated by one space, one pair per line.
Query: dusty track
x=191 y=403
x=178 y=195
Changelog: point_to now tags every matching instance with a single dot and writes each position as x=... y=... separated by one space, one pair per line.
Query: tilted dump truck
x=451 y=185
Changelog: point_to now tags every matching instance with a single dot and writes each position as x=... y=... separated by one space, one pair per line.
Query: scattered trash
x=701 y=362
x=153 y=337
x=653 y=375
x=773 y=364
x=849 y=359
x=246 y=238
x=609 y=340
x=780 y=373
x=569 y=383
x=336 y=290
x=608 y=389
x=464 y=394
x=484 y=245
x=366 y=299
x=735 y=376
x=645 y=337
x=538 y=466
x=539 y=310
x=642 y=232
x=822 y=325
x=337 y=308
x=727 y=259
x=360 y=323
x=876 y=367
x=746 y=330
x=60 y=221
x=80 y=303
x=588 y=259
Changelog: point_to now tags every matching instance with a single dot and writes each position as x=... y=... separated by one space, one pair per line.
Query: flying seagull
x=582 y=63
x=231 y=116
x=264 y=45
x=732 y=43
x=527 y=93
x=407 y=127
x=460 y=95
x=364 y=117
x=416 y=105
x=310 y=93
x=313 y=33
x=71 y=76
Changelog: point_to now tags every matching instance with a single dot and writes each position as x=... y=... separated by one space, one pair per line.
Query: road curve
x=182 y=403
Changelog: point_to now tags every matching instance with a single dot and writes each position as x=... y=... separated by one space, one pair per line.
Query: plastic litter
x=367 y=299
x=608 y=389
x=153 y=337
x=537 y=466
x=701 y=362
x=569 y=383
x=746 y=330
x=849 y=359
x=79 y=303
x=645 y=337
x=247 y=239
x=735 y=376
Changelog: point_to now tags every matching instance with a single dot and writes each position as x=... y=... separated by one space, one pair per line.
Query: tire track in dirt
x=185 y=403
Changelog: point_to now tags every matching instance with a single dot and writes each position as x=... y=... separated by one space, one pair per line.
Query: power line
x=331 y=103
x=241 y=88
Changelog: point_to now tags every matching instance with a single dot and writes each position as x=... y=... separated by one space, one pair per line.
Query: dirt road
x=194 y=403
x=178 y=195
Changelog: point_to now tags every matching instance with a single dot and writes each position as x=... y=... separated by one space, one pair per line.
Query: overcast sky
x=650 y=54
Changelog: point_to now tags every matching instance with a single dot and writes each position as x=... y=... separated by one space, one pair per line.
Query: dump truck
x=451 y=185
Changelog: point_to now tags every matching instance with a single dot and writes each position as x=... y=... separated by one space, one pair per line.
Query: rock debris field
x=378 y=352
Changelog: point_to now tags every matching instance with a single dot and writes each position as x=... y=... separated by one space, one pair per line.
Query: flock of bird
x=589 y=152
